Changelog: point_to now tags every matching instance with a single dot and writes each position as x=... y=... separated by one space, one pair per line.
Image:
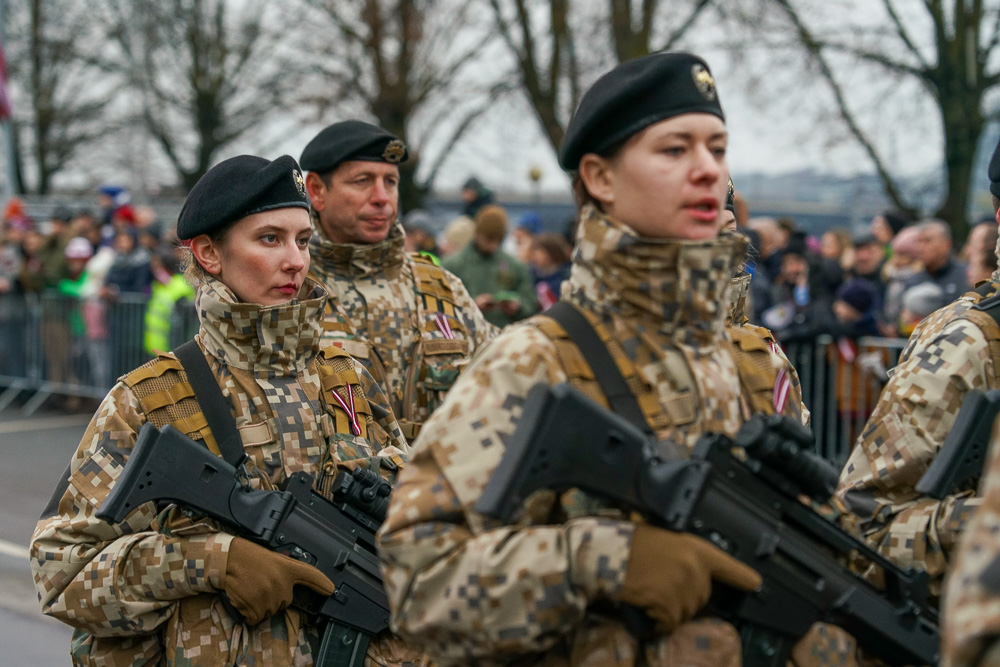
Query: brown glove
x=670 y=574
x=259 y=582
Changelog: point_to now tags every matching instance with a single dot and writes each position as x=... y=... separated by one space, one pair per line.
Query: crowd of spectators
x=105 y=282
x=111 y=277
x=878 y=283
x=99 y=279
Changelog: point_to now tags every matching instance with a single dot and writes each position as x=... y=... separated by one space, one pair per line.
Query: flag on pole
x=4 y=100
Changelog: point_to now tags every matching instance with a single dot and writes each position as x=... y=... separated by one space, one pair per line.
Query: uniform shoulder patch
x=432 y=280
x=750 y=337
x=163 y=363
x=333 y=352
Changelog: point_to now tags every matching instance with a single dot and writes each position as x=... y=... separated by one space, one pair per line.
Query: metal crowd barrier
x=53 y=344
x=56 y=344
x=841 y=383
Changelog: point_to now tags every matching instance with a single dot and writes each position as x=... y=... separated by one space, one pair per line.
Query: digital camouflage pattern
x=413 y=325
x=947 y=355
x=971 y=603
x=145 y=592
x=470 y=590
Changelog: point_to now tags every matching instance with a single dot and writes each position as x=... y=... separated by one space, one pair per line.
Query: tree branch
x=904 y=34
x=685 y=25
x=815 y=51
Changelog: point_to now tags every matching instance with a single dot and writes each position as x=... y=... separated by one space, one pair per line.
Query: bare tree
x=559 y=51
x=406 y=64
x=948 y=49
x=209 y=72
x=59 y=94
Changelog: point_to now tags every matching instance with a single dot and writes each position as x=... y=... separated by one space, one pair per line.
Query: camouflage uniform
x=751 y=337
x=145 y=592
x=473 y=591
x=971 y=603
x=946 y=356
x=413 y=325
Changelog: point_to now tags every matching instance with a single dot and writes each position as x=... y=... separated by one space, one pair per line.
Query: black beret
x=351 y=140
x=994 y=172
x=633 y=96
x=238 y=187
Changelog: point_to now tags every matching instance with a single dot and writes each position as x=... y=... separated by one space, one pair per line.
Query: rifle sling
x=213 y=403
x=606 y=371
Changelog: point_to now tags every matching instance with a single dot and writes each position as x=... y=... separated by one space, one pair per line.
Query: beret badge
x=394 y=151
x=300 y=183
x=703 y=81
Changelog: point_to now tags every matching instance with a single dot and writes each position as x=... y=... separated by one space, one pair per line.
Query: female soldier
x=159 y=589
x=647 y=147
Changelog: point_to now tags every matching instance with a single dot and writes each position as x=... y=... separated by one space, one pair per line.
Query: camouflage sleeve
x=480 y=331
x=115 y=580
x=392 y=443
x=915 y=412
x=461 y=586
x=971 y=622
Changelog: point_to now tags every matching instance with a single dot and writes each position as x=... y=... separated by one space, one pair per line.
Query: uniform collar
x=680 y=289
x=358 y=260
x=276 y=340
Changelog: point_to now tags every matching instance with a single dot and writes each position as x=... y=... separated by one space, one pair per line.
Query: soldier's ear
x=315 y=188
x=596 y=174
x=206 y=253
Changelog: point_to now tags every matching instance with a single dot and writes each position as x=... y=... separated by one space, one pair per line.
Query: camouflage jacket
x=971 y=601
x=470 y=590
x=946 y=356
x=413 y=329
x=144 y=592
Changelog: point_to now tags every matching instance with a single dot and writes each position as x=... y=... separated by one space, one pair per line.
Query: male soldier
x=953 y=350
x=411 y=323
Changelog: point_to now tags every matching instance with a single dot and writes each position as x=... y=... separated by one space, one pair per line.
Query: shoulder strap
x=606 y=371
x=214 y=405
x=990 y=301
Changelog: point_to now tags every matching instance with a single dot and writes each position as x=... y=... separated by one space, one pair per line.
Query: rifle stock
x=963 y=454
x=564 y=440
x=336 y=537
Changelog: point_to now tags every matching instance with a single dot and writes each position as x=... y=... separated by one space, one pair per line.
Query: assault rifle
x=960 y=461
x=749 y=508
x=337 y=537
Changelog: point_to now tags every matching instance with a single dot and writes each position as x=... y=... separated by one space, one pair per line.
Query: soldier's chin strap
x=218 y=413
x=606 y=371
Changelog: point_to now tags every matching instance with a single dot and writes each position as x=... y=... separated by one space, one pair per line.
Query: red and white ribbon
x=443 y=325
x=848 y=350
x=355 y=426
x=782 y=385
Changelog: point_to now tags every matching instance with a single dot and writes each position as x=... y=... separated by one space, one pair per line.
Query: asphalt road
x=34 y=452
